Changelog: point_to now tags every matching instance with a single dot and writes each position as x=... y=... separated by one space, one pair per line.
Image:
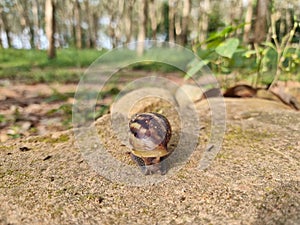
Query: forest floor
x=37 y=109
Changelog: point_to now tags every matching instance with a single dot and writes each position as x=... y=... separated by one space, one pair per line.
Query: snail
x=149 y=134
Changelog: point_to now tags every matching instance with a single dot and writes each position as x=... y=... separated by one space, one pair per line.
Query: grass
x=26 y=59
x=33 y=66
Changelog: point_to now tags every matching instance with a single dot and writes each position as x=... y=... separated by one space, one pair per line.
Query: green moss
x=181 y=175
x=62 y=138
x=5 y=148
x=14 y=178
x=247 y=135
x=223 y=155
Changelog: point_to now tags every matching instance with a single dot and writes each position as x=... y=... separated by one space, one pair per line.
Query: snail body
x=149 y=134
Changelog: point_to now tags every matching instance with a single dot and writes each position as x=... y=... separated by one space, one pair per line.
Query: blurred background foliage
x=51 y=40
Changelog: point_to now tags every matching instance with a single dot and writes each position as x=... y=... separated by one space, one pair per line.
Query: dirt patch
x=32 y=110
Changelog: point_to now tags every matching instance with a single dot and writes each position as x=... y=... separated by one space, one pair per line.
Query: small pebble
x=47 y=157
x=24 y=149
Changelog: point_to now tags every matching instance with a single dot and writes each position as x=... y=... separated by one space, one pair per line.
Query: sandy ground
x=253 y=180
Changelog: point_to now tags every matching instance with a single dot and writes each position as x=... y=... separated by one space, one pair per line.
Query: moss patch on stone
x=46 y=139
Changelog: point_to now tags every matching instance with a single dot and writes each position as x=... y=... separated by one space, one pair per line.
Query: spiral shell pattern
x=149 y=135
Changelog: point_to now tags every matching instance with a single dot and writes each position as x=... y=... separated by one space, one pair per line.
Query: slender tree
x=26 y=22
x=143 y=8
x=95 y=19
x=36 y=23
x=260 y=27
x=90 y=36
x=172 y=20
x=153 y=17
x=203 y=21
x=1 y=25
x=65 y=23
x=78 y=30
x=128 y=19
x=186 y=10
x=248 y=22
x=6 y=28
x=50 y=27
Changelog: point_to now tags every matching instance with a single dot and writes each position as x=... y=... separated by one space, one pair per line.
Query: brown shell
x=149 y=135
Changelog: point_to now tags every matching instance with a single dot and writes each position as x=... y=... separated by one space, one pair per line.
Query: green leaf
x=215 y=43
x=228 y=48
x=217 y=35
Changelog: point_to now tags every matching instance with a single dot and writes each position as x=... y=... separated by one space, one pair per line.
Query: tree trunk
x=78 y=30
x=128 y=17
x=6 y=28
x=95 y=29
x=35 y=12
x=25 y=21
x=30 y=25
x=185 y=22
x=50 y=27
x=89 y=19
x=153 y=17
x=112 y=31
x=69 y=28
x=128 y=25
x=143 y=8
x=248 y=22
x=1 y=25
x=178 y=19
x=260 y=28
x=171 y=20
x=203 y=24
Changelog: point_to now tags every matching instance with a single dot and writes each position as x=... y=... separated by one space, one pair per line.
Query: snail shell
x=149 y=136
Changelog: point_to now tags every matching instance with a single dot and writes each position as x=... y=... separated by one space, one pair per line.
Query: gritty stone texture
x=253 y=180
